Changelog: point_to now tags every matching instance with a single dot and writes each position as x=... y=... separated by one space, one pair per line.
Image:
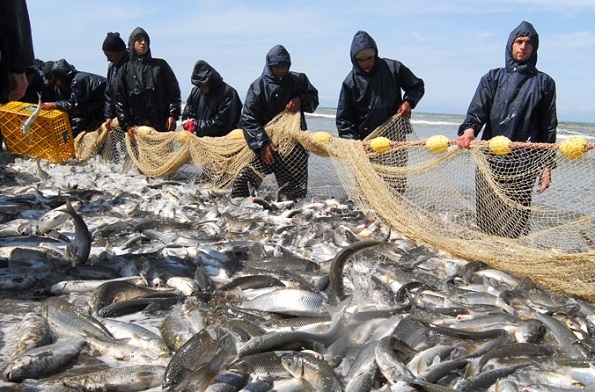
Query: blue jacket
x=216 y=113
x=516 y=101
x=268 y=96
x=368 y=99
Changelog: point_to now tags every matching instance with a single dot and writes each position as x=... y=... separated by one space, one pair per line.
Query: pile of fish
x=112 y=281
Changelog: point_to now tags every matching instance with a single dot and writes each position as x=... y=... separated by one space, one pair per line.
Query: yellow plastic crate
x=50 y=136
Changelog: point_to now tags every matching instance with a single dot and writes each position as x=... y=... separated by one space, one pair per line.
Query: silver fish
x=82 y=237
x=33 y=331
x=42 y=174
x=29 y=122
x=40 y=361
x=315 y=372
x=128 y=378
x=68 y=319
x=137 y=336
x=201 y=357
x=54 y=218
x=294 y=302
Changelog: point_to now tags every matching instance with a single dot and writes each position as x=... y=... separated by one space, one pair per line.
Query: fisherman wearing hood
x=213 y=107
x=147 y=90
x=518 y=102
x=276 y=90
x=87 y=96
x=115 y=51
x=372 y=91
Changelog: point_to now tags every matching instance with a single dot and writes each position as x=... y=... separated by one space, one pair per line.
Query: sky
x=449 y=44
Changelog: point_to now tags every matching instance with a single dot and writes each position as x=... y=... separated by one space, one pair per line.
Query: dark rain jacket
x=87 y=96
x=516 y=101
x=147 y=90
x=368 y=99
x=109 y=110
x=16 y=44
x=268 y=96
x=216 y=113
x=39 y=84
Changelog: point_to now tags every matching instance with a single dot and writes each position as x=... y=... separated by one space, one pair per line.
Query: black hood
x=205 y=75
x=361 y=40
x=525 y=29
x=276 y=56
x=63 y=71
x=137 y=32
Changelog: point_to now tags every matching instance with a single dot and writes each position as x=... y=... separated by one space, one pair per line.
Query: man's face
x=522 y=49
x=141 y=46
x=112 y=57
x=279 y=71
x=366 y=63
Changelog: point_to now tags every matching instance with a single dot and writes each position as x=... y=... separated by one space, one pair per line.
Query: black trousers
x=503 y=209
x=291 y=173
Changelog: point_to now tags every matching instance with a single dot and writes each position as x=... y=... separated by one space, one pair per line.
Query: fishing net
x=477 y=204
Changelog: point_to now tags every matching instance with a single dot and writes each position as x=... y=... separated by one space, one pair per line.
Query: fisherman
x=373 y=91
x=115 y=51
x=276 y=90
x=213 y=107
x=147 y=91
x=518 y=102
x=86 y=100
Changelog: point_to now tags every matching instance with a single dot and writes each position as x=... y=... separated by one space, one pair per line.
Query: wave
x=321 y=115
x=435 y=123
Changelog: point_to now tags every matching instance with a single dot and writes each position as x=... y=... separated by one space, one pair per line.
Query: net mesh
x=477 y=204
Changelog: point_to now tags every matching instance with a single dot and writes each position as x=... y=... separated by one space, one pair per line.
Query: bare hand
x=464 y=141
x=18 y=86
x=294 y=105
x=131 y=132
x=545 y=179
x=48 y=105
x=404 y=110
x=171 y=124
x=108 y=124
x=267 y=153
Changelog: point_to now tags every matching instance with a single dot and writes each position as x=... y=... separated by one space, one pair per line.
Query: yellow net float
x=380 y=144
x=437 y=144
x=500 y=145
x=322 y=137
x=574 y=147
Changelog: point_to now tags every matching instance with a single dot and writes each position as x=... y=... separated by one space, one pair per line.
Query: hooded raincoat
x=268 y=96
x=217 y=112
x=147 y=90
x=518 y=102
x=368 y=99
x=87 y=96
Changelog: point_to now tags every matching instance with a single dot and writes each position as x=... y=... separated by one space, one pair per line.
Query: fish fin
x=338 y=311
